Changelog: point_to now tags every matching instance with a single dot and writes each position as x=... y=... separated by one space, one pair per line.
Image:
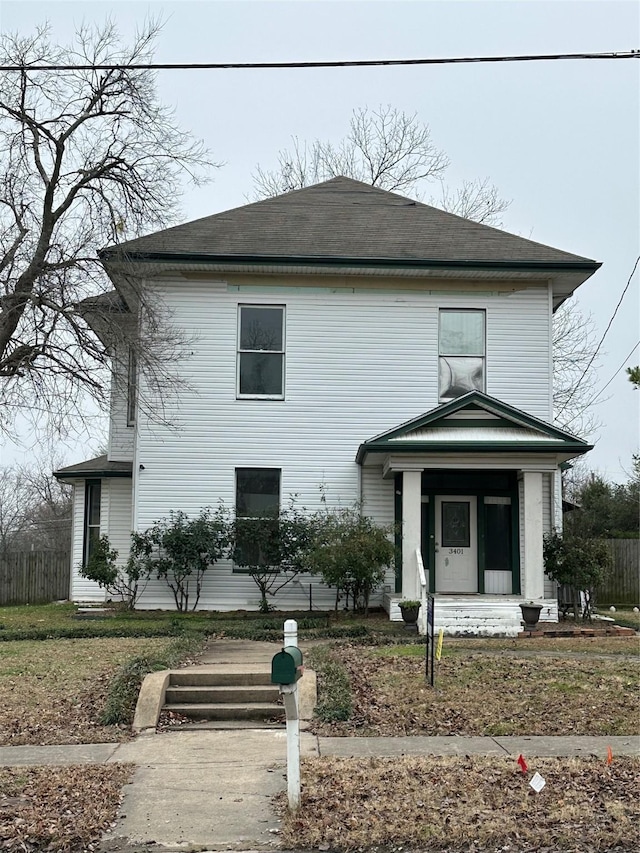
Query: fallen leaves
x=58 y=808
x=471 y=803
x=487 y=694
x=52 y=691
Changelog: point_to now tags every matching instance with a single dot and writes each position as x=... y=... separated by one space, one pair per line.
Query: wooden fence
x=34 y=577
x=622 y=584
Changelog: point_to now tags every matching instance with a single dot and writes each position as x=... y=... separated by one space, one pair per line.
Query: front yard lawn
x=58 y=808
x=483 y=690
x=471 y=804
x=53 y=691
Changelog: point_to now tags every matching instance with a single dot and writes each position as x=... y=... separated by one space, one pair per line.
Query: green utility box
x=286 y=666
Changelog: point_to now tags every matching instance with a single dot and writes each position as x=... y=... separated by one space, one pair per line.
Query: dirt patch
x=486 y=694
x=466 y=804
x=58 y=808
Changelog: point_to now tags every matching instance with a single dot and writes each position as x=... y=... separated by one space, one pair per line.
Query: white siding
x=116 y=497
x=378 y=503
x=358 y=362
x=81 y=588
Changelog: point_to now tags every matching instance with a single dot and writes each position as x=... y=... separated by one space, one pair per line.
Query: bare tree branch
x=88 y=159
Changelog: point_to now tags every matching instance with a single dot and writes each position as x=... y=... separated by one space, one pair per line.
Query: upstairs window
x=261 y=351
x=257 y=510
x=132 y=388
x=461 y=361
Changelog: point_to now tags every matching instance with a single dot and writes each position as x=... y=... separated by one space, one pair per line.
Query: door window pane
x=498 y=536
x=456 y=529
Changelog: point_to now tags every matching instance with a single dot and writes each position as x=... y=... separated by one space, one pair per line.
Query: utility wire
x=597 y=350
x=358 y=63
x=604 y=387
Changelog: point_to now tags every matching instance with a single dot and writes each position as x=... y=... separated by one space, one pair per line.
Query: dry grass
x=58 y=808
x=470 y=804
x=51 y=691
x=487 y=694
x=575 y=645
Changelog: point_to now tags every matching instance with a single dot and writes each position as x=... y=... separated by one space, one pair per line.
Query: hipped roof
x=344 y=219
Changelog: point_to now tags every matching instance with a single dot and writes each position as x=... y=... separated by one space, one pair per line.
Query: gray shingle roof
x=98 y=467
x=345 y=219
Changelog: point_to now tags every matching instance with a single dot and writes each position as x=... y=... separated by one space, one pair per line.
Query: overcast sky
x=558 y=138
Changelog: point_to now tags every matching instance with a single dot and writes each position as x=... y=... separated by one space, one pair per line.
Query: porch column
x=411 y=529
x=533 y=575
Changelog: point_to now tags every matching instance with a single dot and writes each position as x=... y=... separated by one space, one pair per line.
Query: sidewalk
x=212 y=789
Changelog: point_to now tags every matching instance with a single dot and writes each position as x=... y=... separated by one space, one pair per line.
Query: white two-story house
x=349 y=342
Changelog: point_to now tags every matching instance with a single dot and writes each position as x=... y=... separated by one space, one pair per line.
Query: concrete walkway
x=212 y=789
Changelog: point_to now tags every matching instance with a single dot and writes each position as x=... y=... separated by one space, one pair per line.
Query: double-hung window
x=92 y=496
x=461 y=352
x=261 y=351
x=257 y=510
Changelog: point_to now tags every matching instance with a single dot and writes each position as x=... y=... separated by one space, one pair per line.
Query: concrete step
x=220 y=694
x=209 y=677
x=227 y=711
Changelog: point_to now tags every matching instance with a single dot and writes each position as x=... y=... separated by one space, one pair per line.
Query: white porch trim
x=533 y=532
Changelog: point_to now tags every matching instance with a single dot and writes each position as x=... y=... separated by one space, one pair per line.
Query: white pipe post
x=290 y=696
x=291 y=633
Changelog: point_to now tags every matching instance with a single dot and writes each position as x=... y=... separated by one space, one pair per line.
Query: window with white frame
x=257 y=510
x=461 y=352
x=92 y=498
x=261 y=351
x=132 y=387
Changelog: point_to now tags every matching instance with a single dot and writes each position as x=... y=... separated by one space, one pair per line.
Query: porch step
x=226 y=694
x=242 y=696
x=253 y=711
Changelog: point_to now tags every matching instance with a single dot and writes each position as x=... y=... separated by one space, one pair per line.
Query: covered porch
x=476 y=486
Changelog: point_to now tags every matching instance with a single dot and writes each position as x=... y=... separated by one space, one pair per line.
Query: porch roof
x=474 y=423
x=99 y=467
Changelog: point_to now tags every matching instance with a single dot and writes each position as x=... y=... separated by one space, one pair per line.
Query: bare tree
x=386 y=148
x=574 y=375
x=392 y=150
x=35 y=509
x=89 y=157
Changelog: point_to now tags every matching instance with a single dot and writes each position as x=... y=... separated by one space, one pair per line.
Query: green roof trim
x=388 y=442
x=113 y=254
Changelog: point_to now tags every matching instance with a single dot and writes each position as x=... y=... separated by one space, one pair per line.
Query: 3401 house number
x=456 y=550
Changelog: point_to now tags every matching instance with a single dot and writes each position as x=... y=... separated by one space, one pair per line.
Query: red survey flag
x=609 y=755
x=522 y=763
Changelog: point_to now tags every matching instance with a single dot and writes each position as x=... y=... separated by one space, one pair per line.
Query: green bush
x=335 y=701
x=122 y=697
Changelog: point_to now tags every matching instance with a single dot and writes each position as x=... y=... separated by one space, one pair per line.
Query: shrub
x=335 y=701
x=350 y=552
x=120 y=704
x=579 y=562
x=273 y=549
x=123 y=582
x=180 y=550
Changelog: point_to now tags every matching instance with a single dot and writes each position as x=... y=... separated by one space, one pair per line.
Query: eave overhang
x=94 y=469
x=538 y=437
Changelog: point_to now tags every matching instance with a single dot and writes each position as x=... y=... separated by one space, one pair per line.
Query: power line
x=597 y=350
x=357 y=63
x=604 y=387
